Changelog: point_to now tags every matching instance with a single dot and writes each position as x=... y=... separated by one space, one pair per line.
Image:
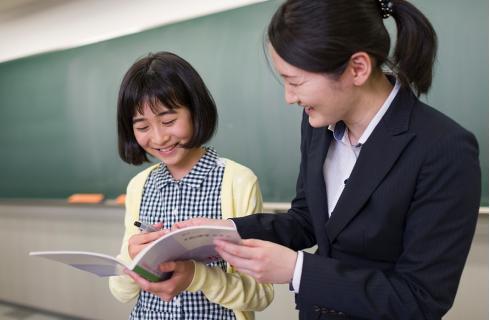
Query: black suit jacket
x=397 y=240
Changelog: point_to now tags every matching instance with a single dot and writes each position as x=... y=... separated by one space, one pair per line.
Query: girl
x=166 y=111
x=388 y=187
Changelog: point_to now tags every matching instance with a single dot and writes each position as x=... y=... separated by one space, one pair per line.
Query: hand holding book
x=182 y=273
x=193 y=243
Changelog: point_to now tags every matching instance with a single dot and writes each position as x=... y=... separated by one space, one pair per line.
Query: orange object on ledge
x=121 y=199
x=86 y=198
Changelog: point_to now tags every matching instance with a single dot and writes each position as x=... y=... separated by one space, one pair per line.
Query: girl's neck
x=372 y=96
x=182 y=169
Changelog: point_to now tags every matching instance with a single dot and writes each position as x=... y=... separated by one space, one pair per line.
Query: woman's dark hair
x=163 y=78
x=321 y=35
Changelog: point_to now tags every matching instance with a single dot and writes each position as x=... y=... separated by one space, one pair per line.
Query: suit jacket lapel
x=377 y=156
x=317 y=200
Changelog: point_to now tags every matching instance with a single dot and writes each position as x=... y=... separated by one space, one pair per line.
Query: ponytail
x=321 y=36
x=416 y=47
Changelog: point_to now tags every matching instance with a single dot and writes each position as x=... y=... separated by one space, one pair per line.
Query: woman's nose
x=289 y=95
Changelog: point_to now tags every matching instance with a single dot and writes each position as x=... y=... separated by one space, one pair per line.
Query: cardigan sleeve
x=232 y=289
x=123 y=288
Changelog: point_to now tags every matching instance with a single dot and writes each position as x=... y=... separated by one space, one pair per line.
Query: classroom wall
x=56 y=226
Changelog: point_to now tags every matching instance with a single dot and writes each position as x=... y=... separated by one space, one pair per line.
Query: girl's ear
x=360 y=67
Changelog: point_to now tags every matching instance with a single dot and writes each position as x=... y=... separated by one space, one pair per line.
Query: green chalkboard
x=58 y=110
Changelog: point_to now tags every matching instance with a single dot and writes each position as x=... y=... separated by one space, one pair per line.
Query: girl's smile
x=168 y=150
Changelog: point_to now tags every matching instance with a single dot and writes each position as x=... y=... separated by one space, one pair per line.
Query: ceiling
x=18 y=9
x=29 y=27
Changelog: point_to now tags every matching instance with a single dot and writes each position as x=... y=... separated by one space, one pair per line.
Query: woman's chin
x=317 y=122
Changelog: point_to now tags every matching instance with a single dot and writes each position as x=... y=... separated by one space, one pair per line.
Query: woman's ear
x=360 y=67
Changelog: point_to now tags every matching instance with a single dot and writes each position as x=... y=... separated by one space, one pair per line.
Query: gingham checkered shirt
x=165 y=199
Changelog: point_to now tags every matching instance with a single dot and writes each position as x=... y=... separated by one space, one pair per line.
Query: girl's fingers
x=158 y=225
x=143 y=283
x=188 y=223
x=167 y=266
x=146 y=237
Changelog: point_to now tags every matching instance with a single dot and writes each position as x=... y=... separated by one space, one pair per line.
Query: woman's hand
x=202 y=222
x=138 y=242
x=266 y=261
x=183 y=273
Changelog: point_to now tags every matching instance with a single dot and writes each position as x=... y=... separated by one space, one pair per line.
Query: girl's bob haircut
x=163 y=79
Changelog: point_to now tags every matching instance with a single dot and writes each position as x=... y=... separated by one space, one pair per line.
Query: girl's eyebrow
x=139 y=119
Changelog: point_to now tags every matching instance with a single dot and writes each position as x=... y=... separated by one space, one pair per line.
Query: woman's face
x=324 y=99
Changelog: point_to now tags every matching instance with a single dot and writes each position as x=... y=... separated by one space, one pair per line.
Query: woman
x=388 y=187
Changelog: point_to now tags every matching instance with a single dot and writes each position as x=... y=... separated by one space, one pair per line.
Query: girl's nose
x=160 y=136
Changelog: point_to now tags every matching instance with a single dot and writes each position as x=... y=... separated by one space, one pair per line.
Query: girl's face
x=162 y=135
x=325 y=100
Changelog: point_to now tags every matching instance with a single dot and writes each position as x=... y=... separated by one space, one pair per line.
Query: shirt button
x=175 y=212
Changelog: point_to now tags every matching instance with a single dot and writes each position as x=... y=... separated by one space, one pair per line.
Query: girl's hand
x=202 y=222
x=266 y=261
x=183 y=273
x=139 y=241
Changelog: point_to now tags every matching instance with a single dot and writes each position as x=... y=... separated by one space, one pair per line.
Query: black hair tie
x=386 y=7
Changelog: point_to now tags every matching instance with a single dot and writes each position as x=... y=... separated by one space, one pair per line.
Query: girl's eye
x=169 y=123
x=294 y=84
x=142 y=129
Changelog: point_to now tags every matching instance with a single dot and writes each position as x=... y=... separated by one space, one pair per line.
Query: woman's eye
x=294 y=84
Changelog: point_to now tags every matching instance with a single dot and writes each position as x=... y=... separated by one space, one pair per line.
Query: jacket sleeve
x=232 y=289
x=123 y=288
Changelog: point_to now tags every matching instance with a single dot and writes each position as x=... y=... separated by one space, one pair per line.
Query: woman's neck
x=371 y=98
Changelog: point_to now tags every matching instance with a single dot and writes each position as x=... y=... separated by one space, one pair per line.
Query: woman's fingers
x=243 y=250
x=239 y=256
x=263 y=260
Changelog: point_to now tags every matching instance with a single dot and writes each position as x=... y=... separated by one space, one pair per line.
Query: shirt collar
x=195 y=177
x=339 y=128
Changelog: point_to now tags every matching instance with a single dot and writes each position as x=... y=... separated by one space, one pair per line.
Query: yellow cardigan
x=240 y=196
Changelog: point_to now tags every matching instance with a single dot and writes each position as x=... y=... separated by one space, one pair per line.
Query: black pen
x=145 y=227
